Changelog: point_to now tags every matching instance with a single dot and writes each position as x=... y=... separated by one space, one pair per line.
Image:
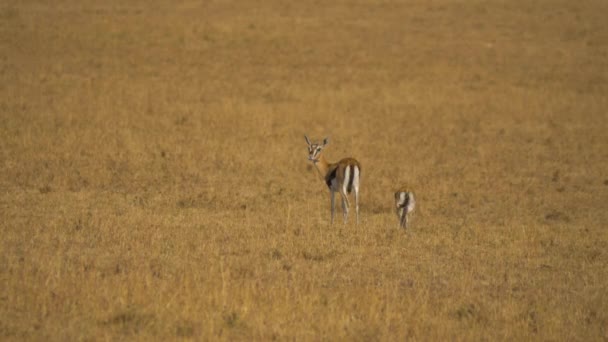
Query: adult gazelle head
x=315 y=149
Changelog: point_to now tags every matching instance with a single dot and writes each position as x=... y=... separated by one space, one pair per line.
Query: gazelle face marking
x=314 y=149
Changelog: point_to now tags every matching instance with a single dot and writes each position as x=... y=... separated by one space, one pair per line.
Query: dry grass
x=154 y=182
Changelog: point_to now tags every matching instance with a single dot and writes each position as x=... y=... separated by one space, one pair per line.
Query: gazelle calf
x=404 y=204
x=342 y=177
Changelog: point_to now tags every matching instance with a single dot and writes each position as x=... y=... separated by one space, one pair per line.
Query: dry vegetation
x=154 y=182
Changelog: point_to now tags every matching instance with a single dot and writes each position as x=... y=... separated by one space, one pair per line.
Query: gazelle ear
x=325 y=141
x=307 y=140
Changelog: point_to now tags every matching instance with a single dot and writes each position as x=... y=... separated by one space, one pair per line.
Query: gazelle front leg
x=333 y=204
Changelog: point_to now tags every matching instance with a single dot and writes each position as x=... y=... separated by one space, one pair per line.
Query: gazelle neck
x=322 y=166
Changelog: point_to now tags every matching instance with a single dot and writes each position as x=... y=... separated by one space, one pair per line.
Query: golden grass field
x=154 y=182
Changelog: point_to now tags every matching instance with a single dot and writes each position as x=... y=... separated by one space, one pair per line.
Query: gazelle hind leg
x=404 y=218
x=345 y=206
x=344 y=192
x=357 y=204
x=333 y=205
x=356 y=190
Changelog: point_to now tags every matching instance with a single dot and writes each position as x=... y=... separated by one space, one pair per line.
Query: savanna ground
x=154 y=181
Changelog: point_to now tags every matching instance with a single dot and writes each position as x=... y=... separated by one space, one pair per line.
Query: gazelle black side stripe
x=330 y=177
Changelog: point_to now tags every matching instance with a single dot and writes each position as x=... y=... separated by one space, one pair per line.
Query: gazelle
x=342 y=177
x=404 y=204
